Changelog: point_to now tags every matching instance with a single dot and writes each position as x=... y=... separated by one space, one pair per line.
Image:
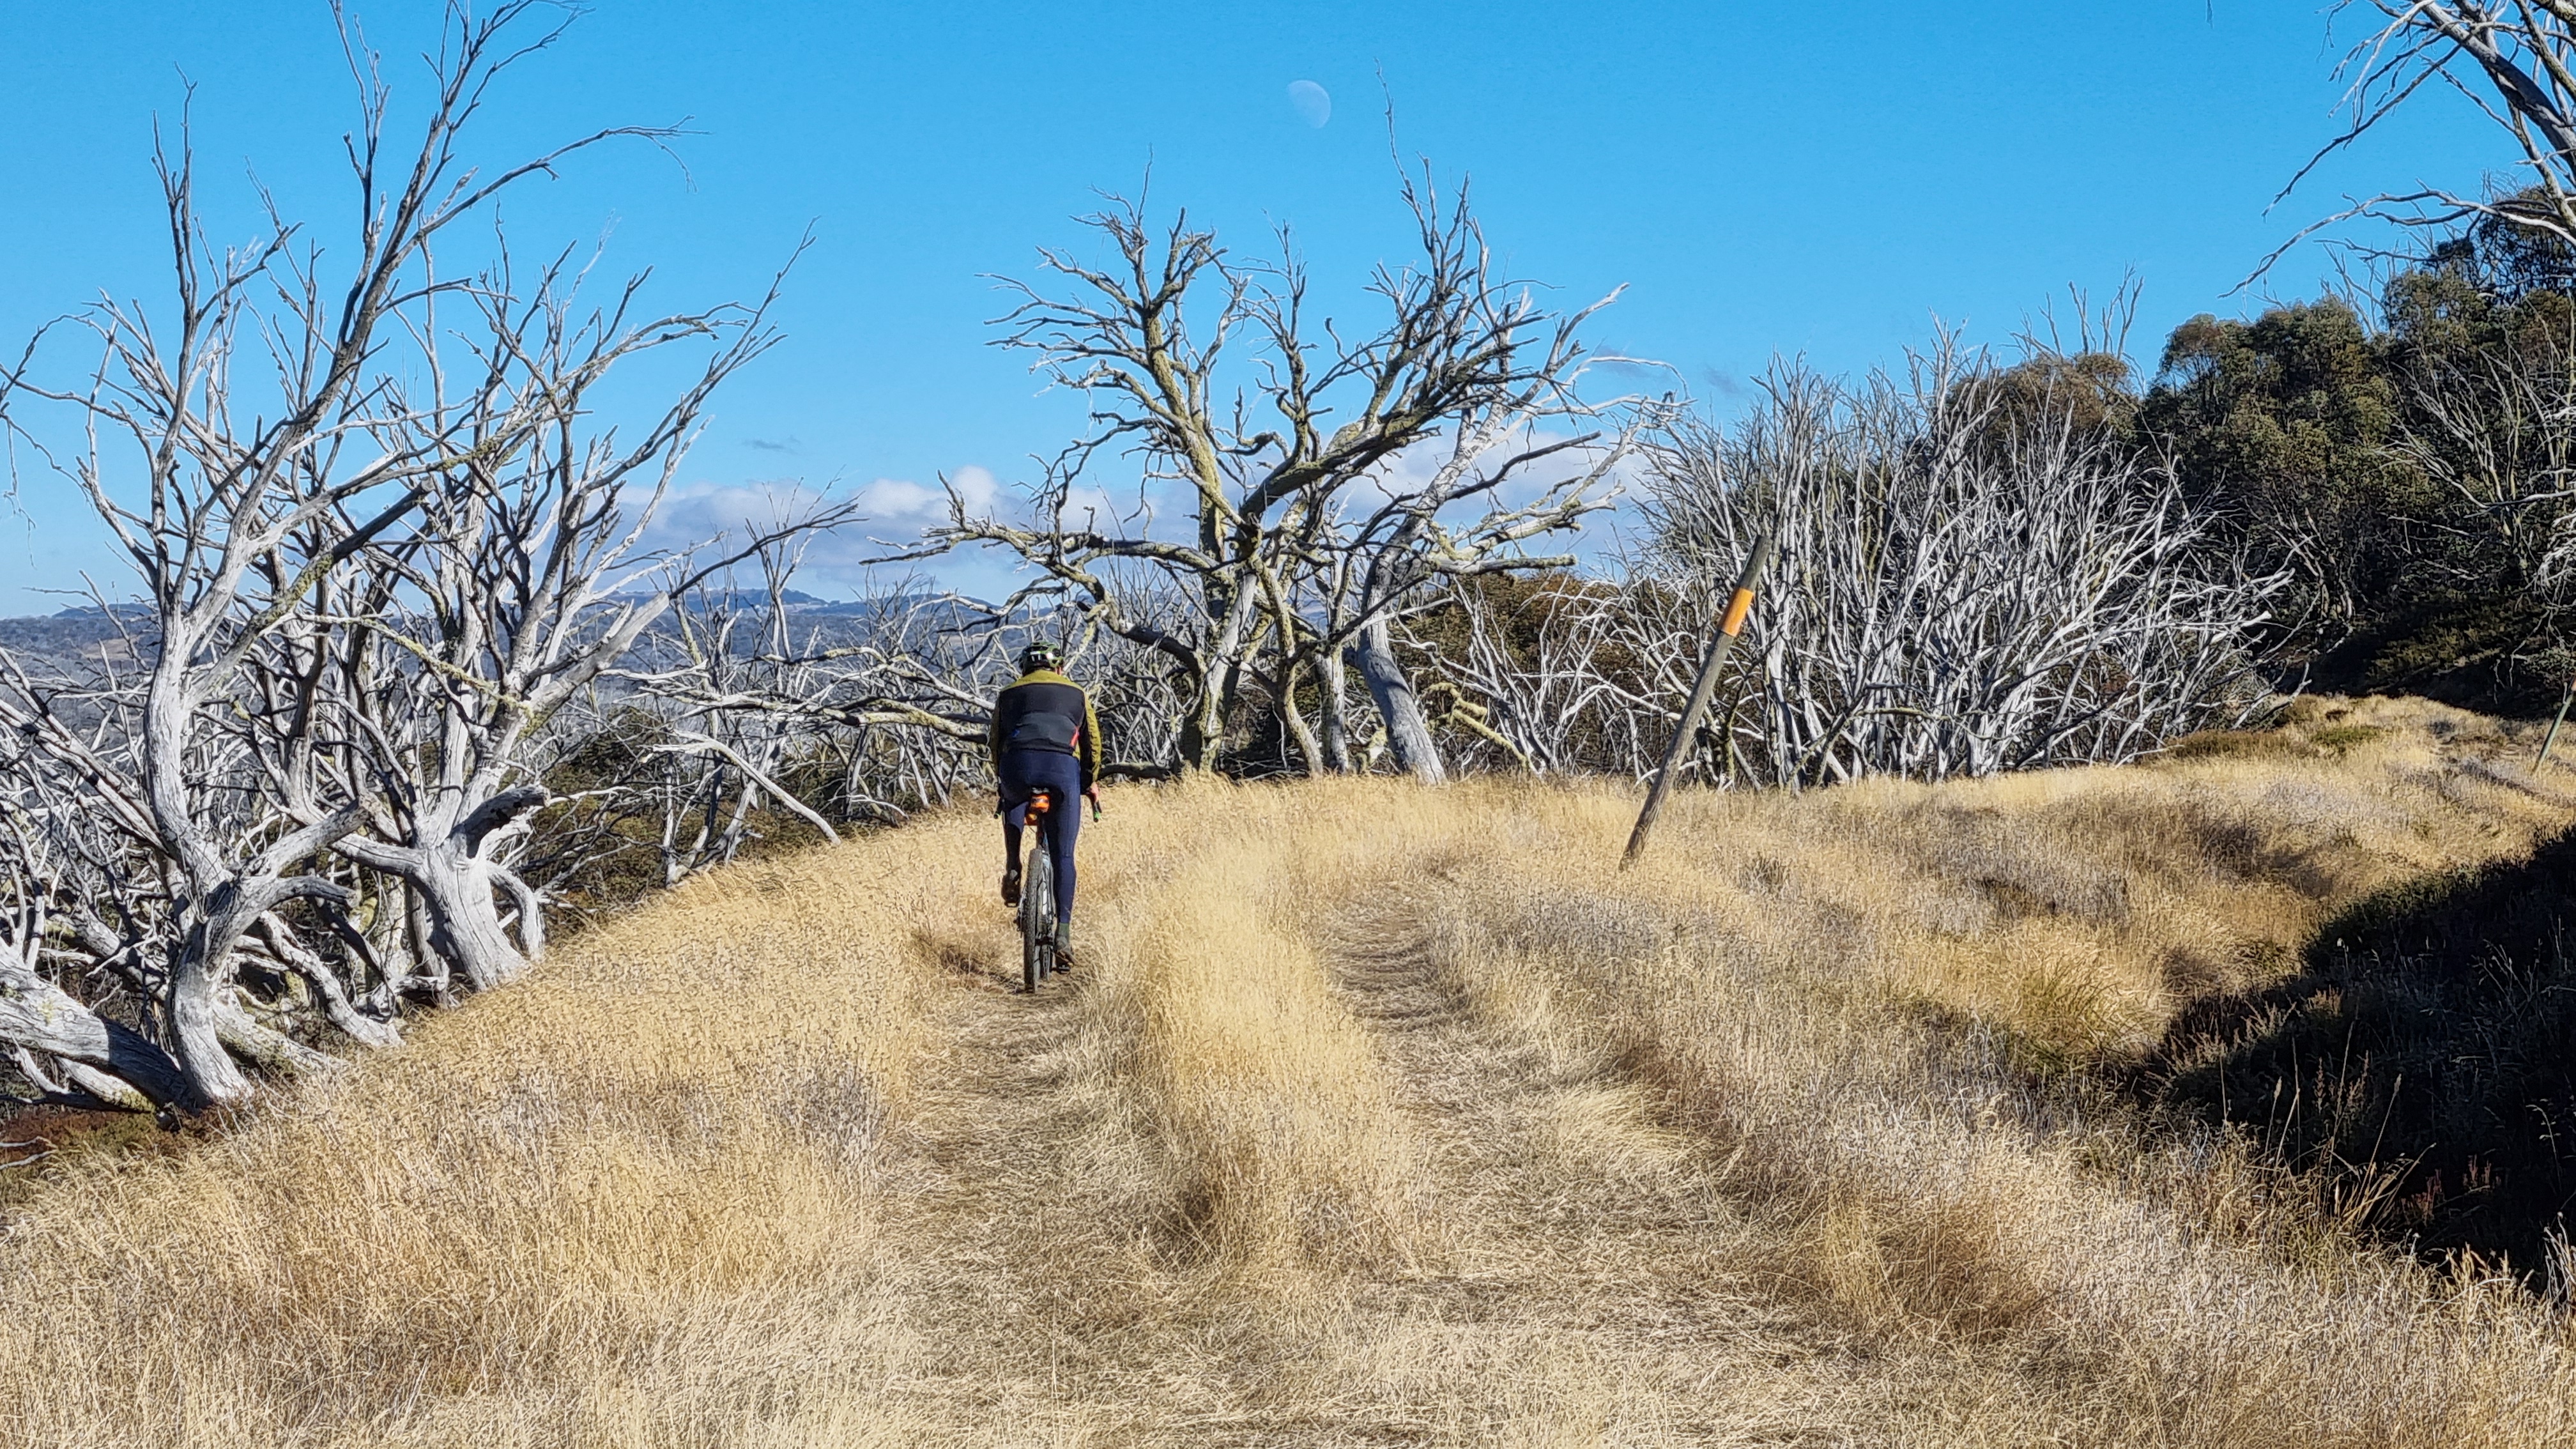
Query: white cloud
x=1089 y=507
x=977 y=486
x=893 y=514
x=902 y=500
x=900 y=506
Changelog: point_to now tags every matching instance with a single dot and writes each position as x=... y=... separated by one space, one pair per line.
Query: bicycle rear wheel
x=1037 y=917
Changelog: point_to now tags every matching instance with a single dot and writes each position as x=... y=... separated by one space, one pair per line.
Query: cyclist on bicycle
x=1045 y=737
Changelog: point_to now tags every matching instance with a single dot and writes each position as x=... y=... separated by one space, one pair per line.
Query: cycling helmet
x=1041 y=655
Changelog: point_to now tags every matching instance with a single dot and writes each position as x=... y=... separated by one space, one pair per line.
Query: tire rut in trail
x=989 y=1234
x=1578 y=1233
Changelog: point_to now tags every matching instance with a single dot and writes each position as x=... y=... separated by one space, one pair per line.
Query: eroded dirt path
x=1581 y=1235
x=1577 y=1275
x=978 y=1198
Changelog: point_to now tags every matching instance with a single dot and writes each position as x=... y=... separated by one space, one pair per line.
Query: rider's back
x=1045 y=711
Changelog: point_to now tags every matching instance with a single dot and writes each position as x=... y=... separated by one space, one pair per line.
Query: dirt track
x=1573 y=1273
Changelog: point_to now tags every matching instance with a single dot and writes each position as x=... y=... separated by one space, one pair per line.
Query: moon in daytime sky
x=1314 y=104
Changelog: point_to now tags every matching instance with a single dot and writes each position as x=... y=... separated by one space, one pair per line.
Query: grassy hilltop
x=1380 y=1114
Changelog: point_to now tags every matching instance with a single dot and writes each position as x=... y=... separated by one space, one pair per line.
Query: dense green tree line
x=2411 y=465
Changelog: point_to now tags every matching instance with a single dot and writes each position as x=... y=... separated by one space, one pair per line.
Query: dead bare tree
x=1273 y=500
x=526 y=578
x=1404 y=549
x=2513 y=59
x=1957 y=592
x=224 y=768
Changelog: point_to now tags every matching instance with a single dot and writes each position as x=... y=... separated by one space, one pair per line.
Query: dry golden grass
x=1375 y=1115
x=611 y=1208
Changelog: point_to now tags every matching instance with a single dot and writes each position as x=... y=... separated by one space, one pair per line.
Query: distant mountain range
x=93 y=611
x=796 y=600
x=69 y=636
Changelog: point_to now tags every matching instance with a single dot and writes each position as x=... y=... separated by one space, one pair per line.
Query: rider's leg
x=1012 y=777
x=1061 y=777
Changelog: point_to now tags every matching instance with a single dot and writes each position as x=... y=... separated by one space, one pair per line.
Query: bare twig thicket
x=1790 y=1143
x=1968 y=581
x=1300 y=540
x=870 y=711
x=367 y=574
x=2496 y=428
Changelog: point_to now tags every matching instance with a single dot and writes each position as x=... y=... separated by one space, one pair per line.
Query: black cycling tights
x=1024 y=773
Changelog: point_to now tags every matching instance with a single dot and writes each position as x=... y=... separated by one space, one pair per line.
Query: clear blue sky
x=1764 y=178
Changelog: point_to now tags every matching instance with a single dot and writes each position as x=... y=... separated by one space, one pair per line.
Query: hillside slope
x=1376 y=1115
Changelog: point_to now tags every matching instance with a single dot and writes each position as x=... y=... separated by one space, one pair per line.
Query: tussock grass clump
x=1373 y=1114
x=1277 y=1130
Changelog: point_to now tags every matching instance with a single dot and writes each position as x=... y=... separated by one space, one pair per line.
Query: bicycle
x=1037 y=900
x=1041 y=939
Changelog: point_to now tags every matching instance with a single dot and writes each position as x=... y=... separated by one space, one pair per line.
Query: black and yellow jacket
x=1043 y=710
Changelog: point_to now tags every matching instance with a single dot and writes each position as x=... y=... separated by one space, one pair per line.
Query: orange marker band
x=1736 y=609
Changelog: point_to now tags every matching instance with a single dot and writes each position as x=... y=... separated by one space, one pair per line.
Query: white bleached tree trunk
x=1408 y=732
x=204 y=794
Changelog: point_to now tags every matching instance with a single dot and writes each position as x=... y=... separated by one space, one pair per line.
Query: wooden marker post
x=1709 y=665
x=2551 y=738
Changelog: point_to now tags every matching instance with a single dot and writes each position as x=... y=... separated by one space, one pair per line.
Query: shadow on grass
x=38 y=1138
x=2421 y=1067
